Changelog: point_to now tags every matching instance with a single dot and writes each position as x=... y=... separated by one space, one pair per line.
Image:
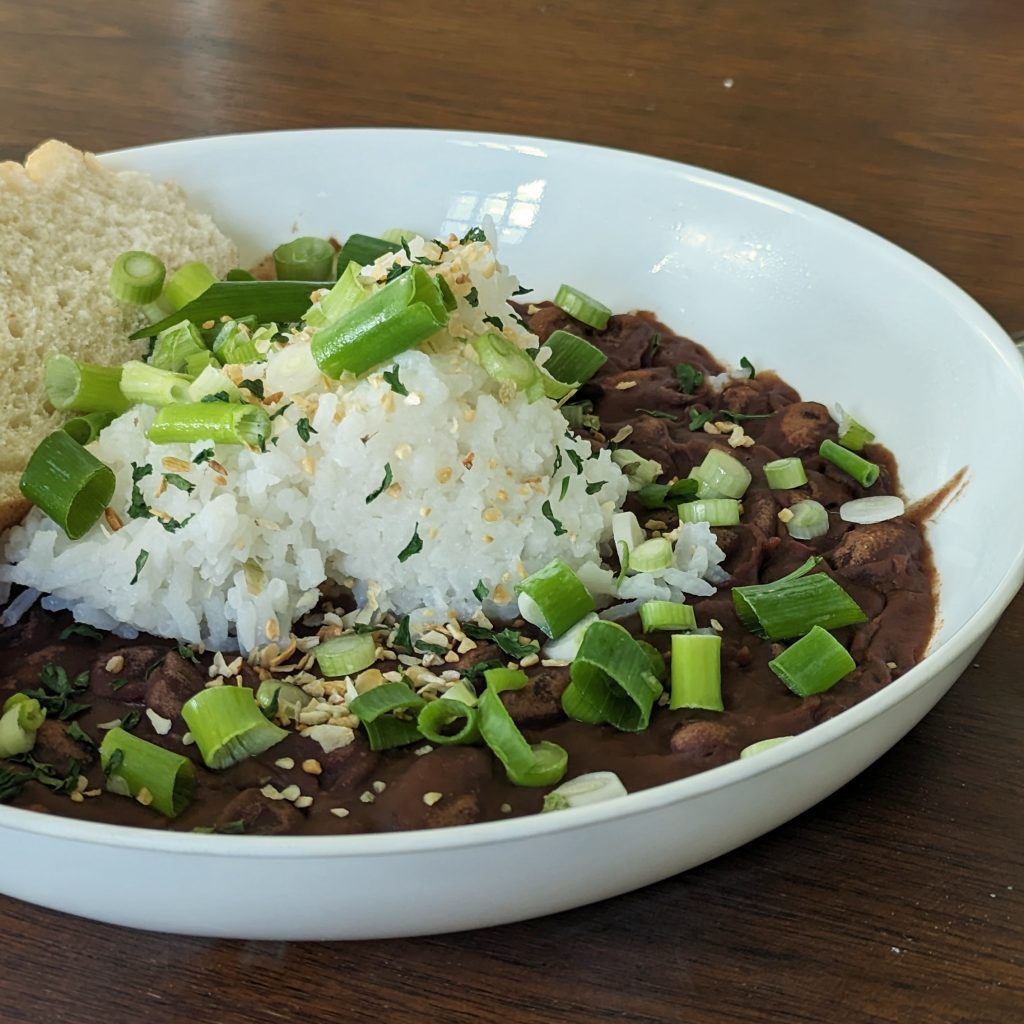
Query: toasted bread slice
x=64 y=219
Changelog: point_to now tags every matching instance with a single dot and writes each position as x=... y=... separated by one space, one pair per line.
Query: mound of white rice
x=481 y=487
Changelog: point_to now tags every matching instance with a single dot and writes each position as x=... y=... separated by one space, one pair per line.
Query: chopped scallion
x=84 y=387
x=228 y=726
x=814 y=664
x=864 y=472
x=553 y=598
x=809 y=520
x=714 y=511
x=651 y=555
x=582 y=307
x=347 y=654
x=85 y=429
x=666 y=615
x=363 y=250
x=222 y=422
x=573 y=360
x=137 y=278
x=721 y=475
x=153 y=775
x=187 y=283
x=437 y=716
x=508 y=364
x=696 y=672
x=304 y=259
x=150 y=385
x=784 y=474
x=381 y=710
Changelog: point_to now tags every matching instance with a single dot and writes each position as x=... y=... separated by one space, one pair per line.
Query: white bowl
x=842 y=315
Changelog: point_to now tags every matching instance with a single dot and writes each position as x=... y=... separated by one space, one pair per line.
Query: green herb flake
x=698 y=418
x=397 y=270
x=114 y=762
x=652 y=349
x=550 y=517
x=117 y=684
x=403 y=636
x=187 y=652
x=279 y=412
x=218 y=396
x=140 y=564
x=139 y=507
x=406 y=250
x=385 y=484
x=12 y=783
x=204 y=456
x=746 y=364
x=494 y=322
x=481 y=591
x=522 y=290
x=254 y=387
x=558 y=461
x=131 y=720
x=508 y=640
x=472 y=298
x=473 y=235
x=688 y=378
x=440 y=244
x=58 y=690
x=414 y=547
x=595 y=486
x=172 y=525
x=177 y=480
x=81 y=629
x=659 y=415
x=392 y=379
x=79 y=735
x=575 y=460
x=304 y=429
x=565 y=488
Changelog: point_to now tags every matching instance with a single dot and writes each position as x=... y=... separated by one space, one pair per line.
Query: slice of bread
x=64 y=219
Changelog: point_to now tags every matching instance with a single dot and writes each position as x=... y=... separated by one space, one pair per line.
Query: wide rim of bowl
x=973 y=630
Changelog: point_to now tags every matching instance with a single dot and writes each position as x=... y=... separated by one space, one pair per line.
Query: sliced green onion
x=655 y=496
x=508 y=364
x=198 y=362
x=228 y=726
x=447 y=295
x=795 y=604
x=150 y=385
x=461 y=691
x=281 y=700
x=663 y=615
x=696 y=672
x=814 y=664
x=853 y=435
x=810 y=520
x=68 y=483
x=363 y=250
x=655 y=659
x=346 y=294
x=187 y=283
x=396 y=236
x=627 y=534
x=212 y=381
x=638 y=471
x=721 y=475
x=174 y=346
x=234 y=344
x=576 y=412
x=554 y=597
x=568 y=644
x=268 y=301
x=223 y=422
x=714 y=511
x=864 y=472
x=612 y=679
x=238 y=274
x=438 y=715
x=784 y=474
x=137 y=278
x=650 y=556
x=85 y=429
x=19 y=724
x=538 y=764
x=584 y=790
x=84 y=387
x=762 y=745
x=376 y=710
x=145 y=768
x=582 y=307
x=573 y=360
x=304 y=259
x=395 y=318
x=345 y=655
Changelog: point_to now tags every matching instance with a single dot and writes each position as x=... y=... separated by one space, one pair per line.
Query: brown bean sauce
x=885 y=567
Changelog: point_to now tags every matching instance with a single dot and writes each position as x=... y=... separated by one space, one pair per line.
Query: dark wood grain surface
x=899 y=899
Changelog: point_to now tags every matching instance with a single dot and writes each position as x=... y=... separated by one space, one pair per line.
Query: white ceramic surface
x=842 y=314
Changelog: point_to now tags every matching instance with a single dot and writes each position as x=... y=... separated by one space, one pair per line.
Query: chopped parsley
x=473 y=235
x=172 y=525
x=12 y=783
x=207 y=453
x=480 y=668
x=304 y=429
x=426 y=261
x=688 y=378
x=565 y=488
x=558 y=460
x=494 y=322
x=472 y=298
x=177 y=480
x=117 y=684
x=659 y=415
x=652 y=349
x=131 y=720
x=58 y=692
x=254 y=387
x=595 y=486
x=550 y=517
x=508 y=640
x=392 y=379
x=698 y=419
x=747 y=365
x=139 y=507
x=48 y=776
x=414 y=547
x=655 y=496
x=481 y=591
x=187 y=652
x=405 y=249
x=114 y=762
x=140 y=564
x=522 y=290
x=397 y=270
x=276 y=413
x=403 y=638
x=575 y=459
x=440 y=244
x=79 y=735
x=385 y=484
x=217 y=396
x=81 y=629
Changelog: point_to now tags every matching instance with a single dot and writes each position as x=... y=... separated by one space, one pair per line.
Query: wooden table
x=899 y=899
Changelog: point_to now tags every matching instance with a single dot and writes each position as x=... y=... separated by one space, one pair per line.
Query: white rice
x=472 y=469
